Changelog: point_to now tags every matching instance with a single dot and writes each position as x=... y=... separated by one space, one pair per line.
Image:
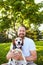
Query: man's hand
x=9 y=55
x=17 y=55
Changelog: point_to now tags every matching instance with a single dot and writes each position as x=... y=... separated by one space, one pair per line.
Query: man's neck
x=22 y=37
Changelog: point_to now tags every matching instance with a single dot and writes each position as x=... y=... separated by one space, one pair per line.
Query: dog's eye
x=20 y=39
x=16 y=39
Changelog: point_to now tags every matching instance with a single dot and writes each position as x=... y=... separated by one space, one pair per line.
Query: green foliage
x=13 y=10
x=32 y=34
x=39 y=43
x=4 y=38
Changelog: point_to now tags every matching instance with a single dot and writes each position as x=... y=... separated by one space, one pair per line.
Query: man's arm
x=16 y=56
x=8 y=56
x=32 y=57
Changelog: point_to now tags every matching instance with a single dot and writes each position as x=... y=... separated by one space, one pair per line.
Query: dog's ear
x=14 y=45
x=13 y=42
x=22 y=42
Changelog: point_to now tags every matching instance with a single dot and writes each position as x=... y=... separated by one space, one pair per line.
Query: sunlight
x=41 y=27
x=38 y=1
x=41 y=9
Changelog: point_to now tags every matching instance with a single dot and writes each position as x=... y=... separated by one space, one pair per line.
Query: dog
x=17 y=47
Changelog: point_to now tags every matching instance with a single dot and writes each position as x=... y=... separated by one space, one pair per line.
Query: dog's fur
x=17 y=47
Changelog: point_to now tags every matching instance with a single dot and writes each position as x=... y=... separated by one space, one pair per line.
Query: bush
x=3 y=38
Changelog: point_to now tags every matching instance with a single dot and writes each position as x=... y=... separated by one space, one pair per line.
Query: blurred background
x=14 y=13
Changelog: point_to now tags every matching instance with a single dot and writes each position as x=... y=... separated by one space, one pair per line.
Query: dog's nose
x=18 y=42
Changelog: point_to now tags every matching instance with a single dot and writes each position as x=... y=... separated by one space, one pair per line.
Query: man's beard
x=21 y=35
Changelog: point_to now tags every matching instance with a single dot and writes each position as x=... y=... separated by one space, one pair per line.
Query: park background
x=14 y=13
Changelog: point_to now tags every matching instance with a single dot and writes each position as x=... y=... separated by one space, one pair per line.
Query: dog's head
x=18 y=42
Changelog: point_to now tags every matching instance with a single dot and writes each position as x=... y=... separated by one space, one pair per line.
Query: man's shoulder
x=28 y=38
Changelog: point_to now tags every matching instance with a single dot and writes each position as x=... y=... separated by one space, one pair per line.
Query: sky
x=38 y=1
x=41 y=27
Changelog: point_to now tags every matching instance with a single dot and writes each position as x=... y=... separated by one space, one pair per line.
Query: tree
x=14 y=11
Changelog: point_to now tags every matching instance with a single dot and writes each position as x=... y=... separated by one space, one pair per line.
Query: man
x=28 y=48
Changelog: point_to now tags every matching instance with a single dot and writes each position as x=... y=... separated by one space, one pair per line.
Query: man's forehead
x=18 y=38
x=21 y=28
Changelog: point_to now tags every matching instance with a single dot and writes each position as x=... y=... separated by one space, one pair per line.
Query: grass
x=4 y=48
x=39 y=47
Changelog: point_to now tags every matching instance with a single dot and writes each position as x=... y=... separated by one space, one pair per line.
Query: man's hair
x=22 y=26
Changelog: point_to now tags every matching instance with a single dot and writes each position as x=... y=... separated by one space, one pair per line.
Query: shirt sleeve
x=32 y=45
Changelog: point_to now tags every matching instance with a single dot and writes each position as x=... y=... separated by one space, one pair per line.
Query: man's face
x=21 y=32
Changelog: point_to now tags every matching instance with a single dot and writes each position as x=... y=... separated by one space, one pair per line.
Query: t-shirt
x=28 y=45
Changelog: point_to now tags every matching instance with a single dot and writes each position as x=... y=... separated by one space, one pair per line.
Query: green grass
x=4 y=48
x=39 y=47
